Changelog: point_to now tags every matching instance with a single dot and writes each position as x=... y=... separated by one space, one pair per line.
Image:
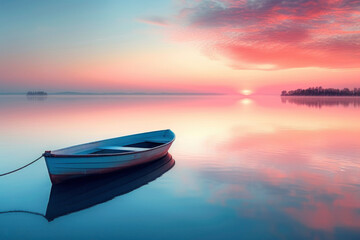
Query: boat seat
x=130 y=149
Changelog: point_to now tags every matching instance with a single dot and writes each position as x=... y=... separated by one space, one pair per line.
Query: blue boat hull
x=62 y=166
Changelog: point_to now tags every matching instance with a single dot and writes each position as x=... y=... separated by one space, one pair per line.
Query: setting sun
x=246 y=92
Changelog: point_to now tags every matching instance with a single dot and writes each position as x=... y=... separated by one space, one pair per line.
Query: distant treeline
x=319 y=91
x=37 y=93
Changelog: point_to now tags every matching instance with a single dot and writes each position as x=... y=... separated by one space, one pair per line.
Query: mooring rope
x=23 y=211
x=3 y=174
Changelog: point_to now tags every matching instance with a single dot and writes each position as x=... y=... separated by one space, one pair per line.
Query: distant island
x=127 y=93
x=319 y=91
x=36 y=93
x=42 y=93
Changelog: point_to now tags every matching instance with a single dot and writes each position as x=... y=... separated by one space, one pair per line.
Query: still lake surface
x=251 y=168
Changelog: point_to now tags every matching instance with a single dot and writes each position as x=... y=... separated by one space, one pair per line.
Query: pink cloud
x=272 y=34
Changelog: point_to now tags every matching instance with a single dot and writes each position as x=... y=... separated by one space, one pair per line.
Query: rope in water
x=23 y=211
x=18 y=169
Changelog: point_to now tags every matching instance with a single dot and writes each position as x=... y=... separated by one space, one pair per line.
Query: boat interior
x=131 y=143
x=141 y=146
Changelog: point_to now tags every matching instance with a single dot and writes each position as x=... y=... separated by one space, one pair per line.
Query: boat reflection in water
x=79 y=194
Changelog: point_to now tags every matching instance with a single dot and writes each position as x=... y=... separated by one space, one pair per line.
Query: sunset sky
x=225 y=46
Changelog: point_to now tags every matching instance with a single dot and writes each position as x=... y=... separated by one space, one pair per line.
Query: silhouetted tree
x=319 y=91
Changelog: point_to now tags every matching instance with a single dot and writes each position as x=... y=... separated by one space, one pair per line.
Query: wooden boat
x=107 y=155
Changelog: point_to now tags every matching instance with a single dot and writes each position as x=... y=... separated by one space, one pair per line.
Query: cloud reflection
x=307 y=177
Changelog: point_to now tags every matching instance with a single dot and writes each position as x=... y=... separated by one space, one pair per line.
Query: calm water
x=249 y=168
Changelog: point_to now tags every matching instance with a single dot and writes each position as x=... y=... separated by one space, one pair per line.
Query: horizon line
x=117 y=93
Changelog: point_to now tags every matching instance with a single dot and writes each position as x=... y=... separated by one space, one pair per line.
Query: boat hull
x=65 y=167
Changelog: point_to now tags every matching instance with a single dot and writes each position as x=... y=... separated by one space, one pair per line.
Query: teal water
x=251 y=168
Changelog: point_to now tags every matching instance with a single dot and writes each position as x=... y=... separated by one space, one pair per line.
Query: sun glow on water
x=246 y=101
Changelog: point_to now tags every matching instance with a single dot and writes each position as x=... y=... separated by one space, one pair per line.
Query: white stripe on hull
x=92 y=165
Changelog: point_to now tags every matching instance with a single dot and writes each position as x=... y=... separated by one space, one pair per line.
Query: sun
x=246 y=92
